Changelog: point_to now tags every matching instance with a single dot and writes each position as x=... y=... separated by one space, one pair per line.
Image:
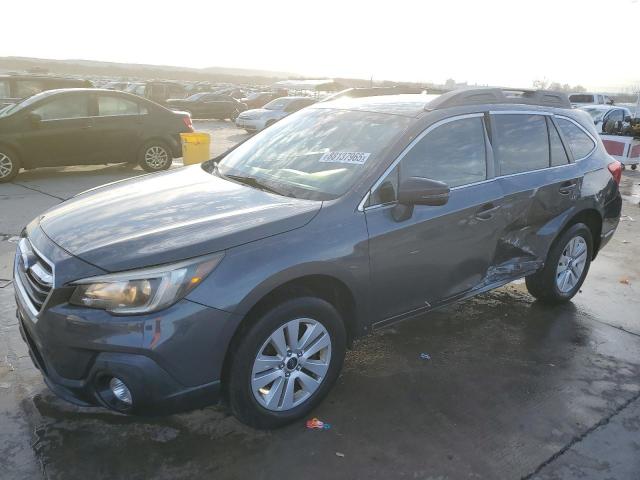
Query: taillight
x=615 y=168
x=188 y=123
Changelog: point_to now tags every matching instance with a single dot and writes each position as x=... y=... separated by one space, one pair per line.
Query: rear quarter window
x=580 y=143
x=521 y=143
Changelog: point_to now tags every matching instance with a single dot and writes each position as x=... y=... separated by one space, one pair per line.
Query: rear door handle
x=486 y=211
x=567 y=187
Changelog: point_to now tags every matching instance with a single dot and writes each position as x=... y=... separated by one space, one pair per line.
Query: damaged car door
x=540 y=185
x=432 y=253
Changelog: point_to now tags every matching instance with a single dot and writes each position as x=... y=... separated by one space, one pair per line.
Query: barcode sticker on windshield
x=355 y=158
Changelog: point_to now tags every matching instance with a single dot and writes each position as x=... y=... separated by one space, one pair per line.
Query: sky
x=485 y=42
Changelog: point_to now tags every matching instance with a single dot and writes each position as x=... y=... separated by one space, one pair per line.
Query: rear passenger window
x=580 y=143
x=109 y=106
x=558 y=154
x=521 y=143
x=453 y=153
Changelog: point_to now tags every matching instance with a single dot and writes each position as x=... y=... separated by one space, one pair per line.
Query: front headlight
x=143 y=291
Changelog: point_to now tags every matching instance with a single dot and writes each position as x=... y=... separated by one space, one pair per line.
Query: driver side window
x=453 y=153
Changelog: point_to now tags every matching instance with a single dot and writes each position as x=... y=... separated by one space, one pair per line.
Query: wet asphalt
x=510 y=389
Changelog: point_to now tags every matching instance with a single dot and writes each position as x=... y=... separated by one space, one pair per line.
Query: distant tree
x=541 y=84
x=545 y=84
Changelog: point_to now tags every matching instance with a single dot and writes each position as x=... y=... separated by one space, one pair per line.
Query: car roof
x=600 y=107
x=408 y=105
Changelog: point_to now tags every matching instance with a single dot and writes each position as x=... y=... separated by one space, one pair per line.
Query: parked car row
x=88 y=126
x=209 y=105
x=248 y=277
x=14 y=88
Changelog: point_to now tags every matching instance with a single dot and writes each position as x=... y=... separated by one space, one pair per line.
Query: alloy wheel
x=571 y=264
x=6 y=165
x=291 y=364
x=156 y=157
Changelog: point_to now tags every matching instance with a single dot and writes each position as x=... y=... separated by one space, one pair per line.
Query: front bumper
x=171 y=360
x=250 y=124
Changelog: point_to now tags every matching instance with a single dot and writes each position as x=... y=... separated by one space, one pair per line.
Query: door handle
x=486 y=211
x=566 y=188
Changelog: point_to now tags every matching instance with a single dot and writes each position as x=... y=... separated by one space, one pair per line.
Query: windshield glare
x=315 y=154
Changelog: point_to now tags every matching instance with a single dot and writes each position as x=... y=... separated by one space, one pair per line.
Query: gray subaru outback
x=247 y=277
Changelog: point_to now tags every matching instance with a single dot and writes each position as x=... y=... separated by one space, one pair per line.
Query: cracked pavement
x=512 y=390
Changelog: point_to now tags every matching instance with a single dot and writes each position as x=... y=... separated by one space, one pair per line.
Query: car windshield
x=10 y=109
x=596 y=113
x=277 y=104
x=316 y=154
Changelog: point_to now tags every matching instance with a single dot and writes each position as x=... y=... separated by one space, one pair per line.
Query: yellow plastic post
x=195 y=147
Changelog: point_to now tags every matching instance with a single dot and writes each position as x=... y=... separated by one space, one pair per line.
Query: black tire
x=634 y=166
x=155 y=164
x=242 y=401
x=9 y=164
x=543 y=284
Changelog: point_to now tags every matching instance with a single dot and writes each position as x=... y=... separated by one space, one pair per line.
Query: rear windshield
x=596 y=113
x=581 y=98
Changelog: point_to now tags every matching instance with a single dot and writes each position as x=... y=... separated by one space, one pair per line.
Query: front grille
x=34 y=275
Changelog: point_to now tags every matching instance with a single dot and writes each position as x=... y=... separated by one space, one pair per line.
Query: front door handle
x=486 y=211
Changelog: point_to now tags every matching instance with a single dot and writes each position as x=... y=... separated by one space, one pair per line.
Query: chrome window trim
x=430 y=128
x=25 y=298
x=520 y=112
x=595 y=142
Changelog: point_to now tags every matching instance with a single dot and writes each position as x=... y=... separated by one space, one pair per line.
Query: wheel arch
x=15 y=149
x=324 y=286
x=592 y=218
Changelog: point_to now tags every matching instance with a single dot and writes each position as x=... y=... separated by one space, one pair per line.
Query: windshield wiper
x=253 y=182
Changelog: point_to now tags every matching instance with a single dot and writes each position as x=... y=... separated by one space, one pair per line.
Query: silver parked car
x=260 y=118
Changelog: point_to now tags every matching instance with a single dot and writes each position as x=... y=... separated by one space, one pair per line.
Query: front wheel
x=565 y=268
x=155 y=156
x=286 y=362
x=9 y=165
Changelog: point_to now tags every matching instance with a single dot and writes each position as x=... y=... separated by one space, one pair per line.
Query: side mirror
x=35 y=119
x=423 y=191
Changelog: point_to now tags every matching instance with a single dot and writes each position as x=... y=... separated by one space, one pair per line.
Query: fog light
x=120 y=391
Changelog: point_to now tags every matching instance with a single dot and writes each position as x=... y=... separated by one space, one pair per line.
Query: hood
x=169 y=216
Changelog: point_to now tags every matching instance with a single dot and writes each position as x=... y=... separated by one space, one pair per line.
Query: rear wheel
x=9 y=165
x=155 y=156
x=565 y=268
x=286 y=362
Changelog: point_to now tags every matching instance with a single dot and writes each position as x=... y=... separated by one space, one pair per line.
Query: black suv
x=86 y=127
x=251 y=274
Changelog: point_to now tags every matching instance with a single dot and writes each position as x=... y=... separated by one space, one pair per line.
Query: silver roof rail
x=490 y=95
